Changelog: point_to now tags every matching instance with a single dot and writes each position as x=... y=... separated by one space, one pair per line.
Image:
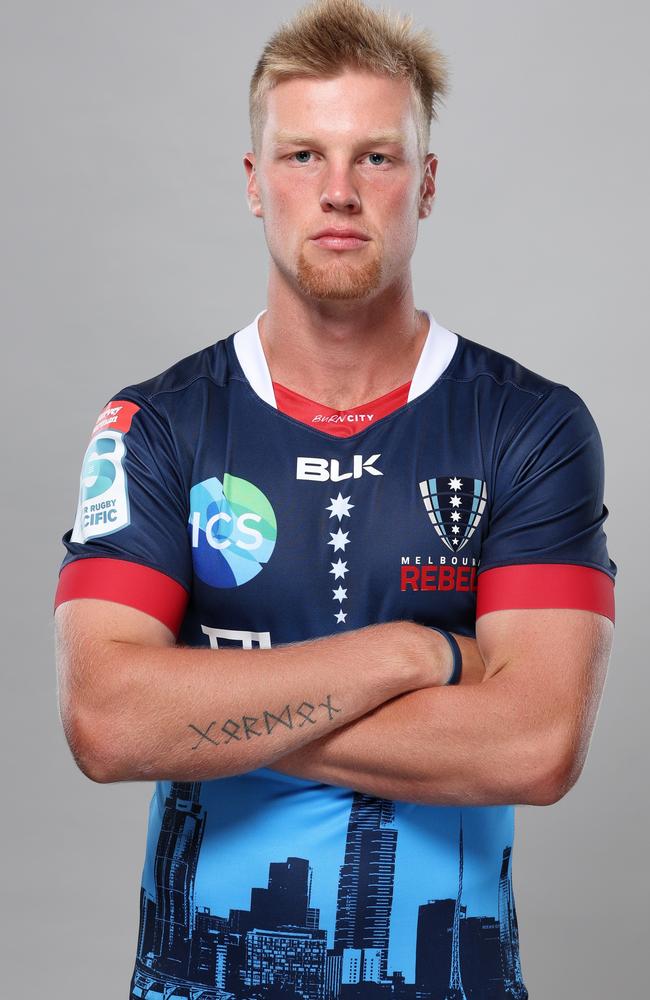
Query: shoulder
x=476 y=362
x=510 y=389
x=208 y=368
x=176 y=401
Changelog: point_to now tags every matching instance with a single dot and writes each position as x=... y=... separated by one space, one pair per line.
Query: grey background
x=126 y=244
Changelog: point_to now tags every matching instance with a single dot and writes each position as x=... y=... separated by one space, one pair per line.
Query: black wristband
x=457 y=655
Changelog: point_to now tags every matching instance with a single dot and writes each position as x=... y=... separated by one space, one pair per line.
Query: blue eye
x=302 y=152
x=380 y=155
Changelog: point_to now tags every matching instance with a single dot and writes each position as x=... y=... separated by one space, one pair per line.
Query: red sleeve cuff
x=545 y=585
x=124 y=582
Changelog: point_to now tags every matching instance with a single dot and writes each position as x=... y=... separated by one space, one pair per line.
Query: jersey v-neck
x=339 y=423
x=438 y=349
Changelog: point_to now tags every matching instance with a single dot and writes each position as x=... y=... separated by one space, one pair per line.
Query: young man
x=285 y=546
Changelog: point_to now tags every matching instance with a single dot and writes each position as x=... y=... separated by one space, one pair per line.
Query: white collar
x=435 y=356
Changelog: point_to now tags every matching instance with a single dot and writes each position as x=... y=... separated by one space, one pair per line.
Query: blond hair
x=328 y=36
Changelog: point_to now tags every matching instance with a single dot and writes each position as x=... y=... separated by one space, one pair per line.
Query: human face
x=341 y=154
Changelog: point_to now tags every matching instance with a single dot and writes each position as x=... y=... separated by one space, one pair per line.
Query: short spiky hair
x=328 y=36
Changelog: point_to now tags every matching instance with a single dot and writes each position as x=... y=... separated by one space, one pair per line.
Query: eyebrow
x=378 y=137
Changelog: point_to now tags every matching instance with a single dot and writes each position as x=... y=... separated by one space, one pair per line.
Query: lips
x=343 y=233
x=340 y=239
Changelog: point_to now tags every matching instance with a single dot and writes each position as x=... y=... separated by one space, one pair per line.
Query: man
x=343 y=637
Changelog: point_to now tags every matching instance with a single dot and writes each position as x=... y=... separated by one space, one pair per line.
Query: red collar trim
x=340 y=423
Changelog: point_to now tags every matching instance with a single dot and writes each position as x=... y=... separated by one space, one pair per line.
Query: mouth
x=340 y=239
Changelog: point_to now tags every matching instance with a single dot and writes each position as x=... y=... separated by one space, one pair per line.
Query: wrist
x=450 y=660
x=427 y=655
x=430 y=657
x=444 y=658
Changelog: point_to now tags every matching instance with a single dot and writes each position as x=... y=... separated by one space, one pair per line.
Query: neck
x=342 y=353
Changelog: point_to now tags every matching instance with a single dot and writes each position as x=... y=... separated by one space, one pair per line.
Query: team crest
x=455 y=505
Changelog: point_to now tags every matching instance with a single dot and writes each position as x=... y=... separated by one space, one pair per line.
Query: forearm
x=465 y=745
x=176 y=713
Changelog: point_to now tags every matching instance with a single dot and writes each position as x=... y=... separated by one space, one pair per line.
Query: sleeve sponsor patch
x=117 y=416
x=103 y=492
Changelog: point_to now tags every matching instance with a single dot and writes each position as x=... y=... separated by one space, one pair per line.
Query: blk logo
x=322 y=470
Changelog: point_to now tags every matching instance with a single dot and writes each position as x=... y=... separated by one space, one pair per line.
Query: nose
x=339 y=191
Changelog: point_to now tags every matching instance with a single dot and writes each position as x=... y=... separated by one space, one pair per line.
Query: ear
x=428 y=185
x=252 y=190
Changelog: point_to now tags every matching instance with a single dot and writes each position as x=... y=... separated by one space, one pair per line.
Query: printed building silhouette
x=276 y=950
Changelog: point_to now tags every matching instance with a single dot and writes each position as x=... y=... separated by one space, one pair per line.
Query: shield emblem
x=455 y=505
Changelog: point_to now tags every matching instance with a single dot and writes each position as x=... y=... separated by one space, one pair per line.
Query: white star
x=455 y=516
x=455 y=501
x=340 y=539
x=455 y=483
x=341 y=616
x=340 y=506
x=455 y=529
x=339 y=569
x=455 y=541
x=340 y=594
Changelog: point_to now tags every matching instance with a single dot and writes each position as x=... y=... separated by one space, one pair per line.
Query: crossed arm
x=516 y=730
x=520 y=735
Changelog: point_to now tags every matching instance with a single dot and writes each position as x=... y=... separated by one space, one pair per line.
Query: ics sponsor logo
x=103 y=491
x=232 y=530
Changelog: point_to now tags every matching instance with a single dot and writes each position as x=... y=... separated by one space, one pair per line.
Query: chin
x=338 y=283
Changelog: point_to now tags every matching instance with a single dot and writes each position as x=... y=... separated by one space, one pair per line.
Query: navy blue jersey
x=238 y=525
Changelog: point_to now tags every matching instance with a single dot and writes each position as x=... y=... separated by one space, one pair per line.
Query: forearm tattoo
x=246 y=728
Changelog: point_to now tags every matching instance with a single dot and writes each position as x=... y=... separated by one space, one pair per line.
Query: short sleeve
x=545 y=545
x=129 y=543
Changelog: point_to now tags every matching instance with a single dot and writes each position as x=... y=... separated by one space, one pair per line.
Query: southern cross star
x=340 y=539
x=339 y=569
x=340 y=506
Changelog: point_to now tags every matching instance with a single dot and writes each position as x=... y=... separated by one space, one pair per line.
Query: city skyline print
x=361 y=925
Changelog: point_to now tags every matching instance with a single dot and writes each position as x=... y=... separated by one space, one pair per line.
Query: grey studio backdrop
x=127 y=244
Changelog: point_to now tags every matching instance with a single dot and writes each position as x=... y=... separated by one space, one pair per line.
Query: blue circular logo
x=232 y=529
